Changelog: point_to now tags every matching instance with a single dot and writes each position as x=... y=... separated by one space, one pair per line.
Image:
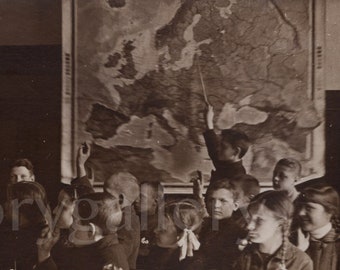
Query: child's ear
x=238 y=152
x=92 y=231
x=236 y=206
x=121 y=199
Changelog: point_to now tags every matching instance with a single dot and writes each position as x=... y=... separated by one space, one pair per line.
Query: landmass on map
x=140 y=98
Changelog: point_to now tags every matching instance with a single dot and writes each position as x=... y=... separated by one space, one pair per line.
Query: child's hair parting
x=282 y=208
x=223 y=184
x=23 y=162
x=248 y=184
x=156 y=186
x=237 y=139
x=327 y=196
x=187 y=218
x=291 y=163
x=101 y=209
x=185 y=215
x=123 y=183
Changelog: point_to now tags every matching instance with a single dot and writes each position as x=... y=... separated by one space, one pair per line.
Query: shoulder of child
x=300 y=256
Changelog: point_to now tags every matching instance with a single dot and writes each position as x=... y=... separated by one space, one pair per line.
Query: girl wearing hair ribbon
x=176 y=237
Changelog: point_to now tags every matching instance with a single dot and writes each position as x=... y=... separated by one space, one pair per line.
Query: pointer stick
x=203 y=86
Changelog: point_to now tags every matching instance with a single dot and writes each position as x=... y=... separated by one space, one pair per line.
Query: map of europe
x=139 y=96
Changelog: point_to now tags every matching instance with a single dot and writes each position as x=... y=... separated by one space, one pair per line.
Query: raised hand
x=83 y=154
x=198 y=185
x=210 y=117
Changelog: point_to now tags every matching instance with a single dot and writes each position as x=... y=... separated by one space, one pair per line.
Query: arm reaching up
x=210 y=117
x=198 y=191
x=83 y=154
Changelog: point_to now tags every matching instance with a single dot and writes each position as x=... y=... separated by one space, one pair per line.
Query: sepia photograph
x=170 y=134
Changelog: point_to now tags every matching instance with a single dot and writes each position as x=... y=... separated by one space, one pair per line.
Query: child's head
x=27 y=205
x=316 y=207
x=151 y=194
x=179 y=218
x=21 y=170
x=286 y=172
x=66 y=203
x=95 y=214
x=248 y=187
x=233 y=145
x=270 y=215
x=221 y=199
x=124 y=184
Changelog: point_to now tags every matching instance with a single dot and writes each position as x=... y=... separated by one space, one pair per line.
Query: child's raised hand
x=210 y=117
x=83 y=154
x=198 y=185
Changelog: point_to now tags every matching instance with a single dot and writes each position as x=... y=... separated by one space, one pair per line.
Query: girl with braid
x=270 y=215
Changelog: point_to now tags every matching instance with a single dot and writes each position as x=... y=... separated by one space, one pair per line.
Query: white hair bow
x=187 y=243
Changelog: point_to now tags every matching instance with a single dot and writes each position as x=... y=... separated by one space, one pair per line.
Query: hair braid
x=335 y=220
x=285 y=228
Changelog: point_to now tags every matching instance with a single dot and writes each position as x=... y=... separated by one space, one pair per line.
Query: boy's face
x=227 y=152
x=64 y=210
x=147 y=202
x=19 y=174
x=221 y=204
x=313 y=216
x=284 y=178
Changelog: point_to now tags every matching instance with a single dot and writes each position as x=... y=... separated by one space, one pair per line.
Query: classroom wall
x=38 y=22
x=30 y=88
x=332 y=42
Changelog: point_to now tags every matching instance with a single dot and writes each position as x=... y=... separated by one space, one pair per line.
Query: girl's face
x=221 y=204
x=64 y=210
x=166 y=237
x=263 y=225
x=313 y=216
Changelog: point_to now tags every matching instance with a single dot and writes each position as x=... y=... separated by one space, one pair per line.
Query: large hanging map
x=139 y=95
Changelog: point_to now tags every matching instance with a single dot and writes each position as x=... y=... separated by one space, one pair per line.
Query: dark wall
x=30 y=83
x=333 y=138
x=30 y=87
x=30 y=22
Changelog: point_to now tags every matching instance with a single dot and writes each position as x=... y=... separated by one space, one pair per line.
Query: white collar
x=321 y=232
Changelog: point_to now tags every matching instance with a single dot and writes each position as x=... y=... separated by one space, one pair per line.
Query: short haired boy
x=220 y=232
x=21 y=170
x=147 y=207
x=226 y=151
x=125 y=186
x=248 y=187
x=286 y=173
